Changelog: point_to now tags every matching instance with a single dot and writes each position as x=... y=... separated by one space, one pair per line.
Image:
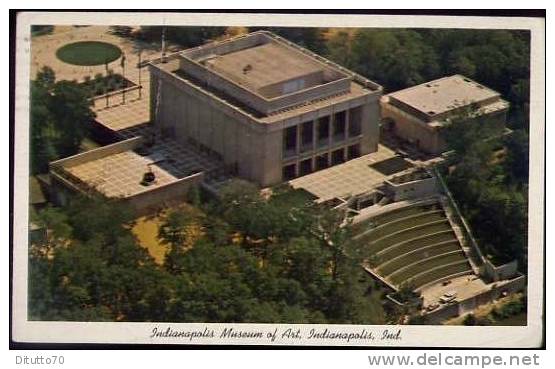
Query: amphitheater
x=412 y=244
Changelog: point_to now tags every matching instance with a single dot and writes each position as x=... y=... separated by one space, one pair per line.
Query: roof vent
x=431 y=112
x=247 y=68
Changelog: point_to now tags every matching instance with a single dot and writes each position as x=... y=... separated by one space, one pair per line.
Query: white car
x=448 y=297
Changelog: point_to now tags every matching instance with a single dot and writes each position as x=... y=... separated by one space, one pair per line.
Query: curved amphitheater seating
x=413 y=244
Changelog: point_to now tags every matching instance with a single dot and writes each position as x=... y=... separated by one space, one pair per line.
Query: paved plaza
x=43 y=53
x=113 y=114
x=120 y=175
x=465 y=286
x=351 y=178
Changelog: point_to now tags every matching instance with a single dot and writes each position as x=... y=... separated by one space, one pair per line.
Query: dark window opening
x=289 y=172
x=307 y=136
x=355 y=122
x=305 y=167
x=322 y=162
x=323 y=131
x=353 y=151
x=290 y=141
x=339 y=126
x=338 y=157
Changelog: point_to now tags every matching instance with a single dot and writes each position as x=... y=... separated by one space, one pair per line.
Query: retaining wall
x=98 y=153
x=465 y=306
x=157 y=197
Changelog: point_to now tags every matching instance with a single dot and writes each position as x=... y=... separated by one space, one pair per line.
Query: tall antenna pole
x=140 y=85
x=163 y=44
x=123 y=75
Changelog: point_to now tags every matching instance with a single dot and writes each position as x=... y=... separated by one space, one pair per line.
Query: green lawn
x=87 y=53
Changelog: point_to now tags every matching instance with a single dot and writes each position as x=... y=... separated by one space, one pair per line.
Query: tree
x=339 y=49
x=99 y=272
x=42 y=145
x=517 y=161
x=184 y=36
x=308 y=37
x=395 y=58
x=174 y=232
x=60 y=118
x=490 y=192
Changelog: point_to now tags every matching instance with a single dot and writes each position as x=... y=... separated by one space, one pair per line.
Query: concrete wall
x=98 y=153
x=413 y=189
x=191 y=120
x=468 y=305
x=425 y=136
x=157 y=197
x=255 y=99
x=338 y=80
x=505 y=271
x=255 y=149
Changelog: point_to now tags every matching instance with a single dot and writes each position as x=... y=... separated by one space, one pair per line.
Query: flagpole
x=140 y=85
x=106 y=83
x=123 y=75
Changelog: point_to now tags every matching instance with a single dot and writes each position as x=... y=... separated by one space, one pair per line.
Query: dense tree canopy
x=490 y=182
x=400 y=58
x=261 y=266
x=60 y=116
x=184 y=36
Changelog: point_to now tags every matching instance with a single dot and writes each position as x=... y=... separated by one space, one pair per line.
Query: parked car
x=448 y=297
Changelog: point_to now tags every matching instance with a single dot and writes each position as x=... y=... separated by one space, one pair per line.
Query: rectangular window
x=290 y=141
x=322 y=162
x=305 y=167
x=307 y=136
x=293 y=86
x=323 y=131
x=355 y=121
x=339 y=126
x=289 y=172
x=353 y=151
x=338 y=156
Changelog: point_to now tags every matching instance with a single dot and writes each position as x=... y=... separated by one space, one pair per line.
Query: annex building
x=417 y=114
x=269 y=109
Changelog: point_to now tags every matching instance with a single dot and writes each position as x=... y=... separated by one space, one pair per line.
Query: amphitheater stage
x=465 y=286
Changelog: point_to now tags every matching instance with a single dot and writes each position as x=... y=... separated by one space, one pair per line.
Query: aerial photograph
x=302 y=175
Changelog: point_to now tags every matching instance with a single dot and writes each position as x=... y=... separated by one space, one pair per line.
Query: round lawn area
x=88 y=53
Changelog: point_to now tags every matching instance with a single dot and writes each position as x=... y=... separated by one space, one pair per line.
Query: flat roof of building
x=351 y=178
x=264 y=65
x=265 y=76
x=444 y=94
x=120 y=174
x=172 y=68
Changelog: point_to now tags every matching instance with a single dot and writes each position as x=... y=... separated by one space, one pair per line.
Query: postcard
x=279 y=179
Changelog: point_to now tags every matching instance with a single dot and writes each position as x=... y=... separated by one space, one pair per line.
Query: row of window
x=338 y=132
x=320 y=162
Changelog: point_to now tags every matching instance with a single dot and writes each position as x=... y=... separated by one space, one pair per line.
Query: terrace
x=351 y=178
